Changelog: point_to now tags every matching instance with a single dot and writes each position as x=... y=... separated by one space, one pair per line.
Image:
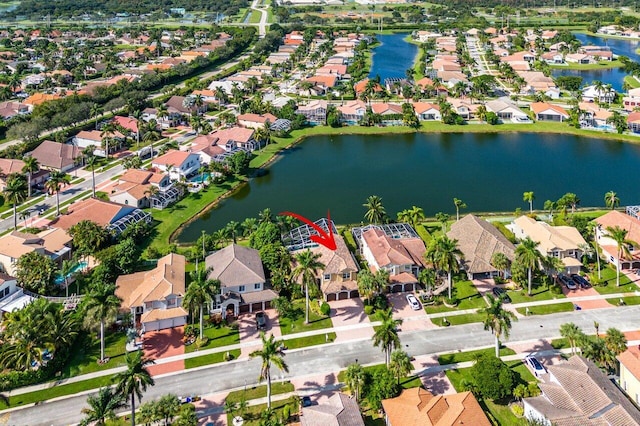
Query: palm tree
x=459 y=205
x=151 y=134
x=386 y=335
x=102 y=407
x=572 y=333
x=619 y=235
x=306 y=266
x=615 y=341
x=234 y=228
x=271 y=353
x=31 y=166
x=101 y=304
x=550 y=206
x=134 y=380
x=90 y=160
x=400 y=364
x=201 y=291
x=57 y=180
x=107 y=133
x=355 y=378
x=611 y=200
x=95 y=111
x=528 y=255
x=497 y=319
x=529 y=196
x=376 y=212
x=501 y=262
x=445 y=253
x=366 y=281
x=15 y=192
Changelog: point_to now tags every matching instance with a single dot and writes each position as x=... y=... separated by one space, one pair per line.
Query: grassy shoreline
x=602 y=65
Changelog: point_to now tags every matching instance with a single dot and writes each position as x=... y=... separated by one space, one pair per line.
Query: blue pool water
x=80 y=266
x=199 y=178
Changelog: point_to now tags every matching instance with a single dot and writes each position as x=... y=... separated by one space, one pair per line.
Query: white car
x=536 y=367
x=413 y=302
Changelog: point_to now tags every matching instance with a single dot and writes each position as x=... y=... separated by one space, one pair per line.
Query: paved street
x=334 y=357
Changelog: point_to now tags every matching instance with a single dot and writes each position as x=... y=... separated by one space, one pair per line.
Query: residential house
x=56 y=156
x=629 y=371
x=391 y=114
x=593 y=115
x=55 y=243
x=553 y=58
x=544 y=111
x=427 y=111
x=352 y=112
x=338 y=410
x=87 y=138
x=563 y=242
x=577 y=58
x=10 y=109
x=9 y=166
x=177 y=164
x=242 y=281
x=135 y=188
x=633 y=122
x=463 y=107
x=506 y=110
x=207 y=148
x=154 y=297
x=395 y=248
x=632 y=100
x=256 y=121
x=419 y=407
x=234 y=138
x=479 y=240
x=577 y=392
x=361 y=86
x=38 y=99
x=126 y=123
x=609 y=247
x=8 y=287
x=536 y=81
x=602 y=95
x=315 y=112
x=178 y=107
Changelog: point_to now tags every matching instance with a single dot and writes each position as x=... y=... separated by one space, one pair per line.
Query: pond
x=393 y=57
x=487 y=172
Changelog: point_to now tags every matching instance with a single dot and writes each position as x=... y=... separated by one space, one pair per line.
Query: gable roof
x=629 y=223
x=173 y=157
x=419 y=407
x=335 y=261
x=478 y=240
x=10 y=165
x=338 y=410
x=544 y=107
x=550 y=237
x=55 y=155
x=236 y=265
x=391 y=251
x=94 y=209
x=167 y=278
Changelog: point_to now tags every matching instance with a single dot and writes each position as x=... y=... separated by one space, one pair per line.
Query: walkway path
x=262 y=25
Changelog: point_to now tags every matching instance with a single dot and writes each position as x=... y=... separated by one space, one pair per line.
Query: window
x=241 y=289
x=327 y=277
x=346 y=275
x=257 y=286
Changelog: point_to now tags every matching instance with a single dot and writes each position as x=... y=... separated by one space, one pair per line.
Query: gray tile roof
x=339 y=410
x=235 y=265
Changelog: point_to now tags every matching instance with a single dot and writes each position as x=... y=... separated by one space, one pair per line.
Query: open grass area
x=609 y=286
x=599 y=66
x=255 y=17
x=458 y=319
x=632 y=81
x=538 y=293
x=466 y=294
x=252 y=414
x=302 y=342
x=86 y=354
x=631 y=300
x=210 y=359
x=547 y=309
x=471 y=355
x=316 y=322
x=260 y=391
x=218 y=336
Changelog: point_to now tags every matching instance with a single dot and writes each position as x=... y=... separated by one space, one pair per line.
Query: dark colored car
x=306 y=401
x=261 y=321
x=580 y=280
x=501 y=294
x=567 y=282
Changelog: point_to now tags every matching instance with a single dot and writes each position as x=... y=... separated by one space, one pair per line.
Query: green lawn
x=537 y=293
x=631 y=300
x=255 y=17
x=86 y=354
x=459 y=319
x=406 y=383
x=210 y=359
x=252 y=413
x=632 y=81
x=599 y=66
x=471 y=355
x=608 y=285
x=547 y=309
x=318 y=339
x=561 y=343
x=260 y=391
x=218 y=336
x=316 y=322
x=466 y=294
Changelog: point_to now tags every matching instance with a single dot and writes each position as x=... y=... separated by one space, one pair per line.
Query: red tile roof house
x=207 y=148
x=256 y=121
x=608 y=245
x=130 y=125
x=633 y=122
x=180 y=106
x=182 y=164
x=7 y=167
x=154 y=297
x=56 y=156
x=352 y=112
x=391 y=113
x=234 y=138
x=427 y=111
x=548 y=112
x=85 y=139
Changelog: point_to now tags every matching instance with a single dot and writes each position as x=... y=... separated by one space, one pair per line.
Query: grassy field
x=85 y=356
x=458 y=319
x=260 y=391
x=316 y=322
x=471 y=355
x=547 y=309
x=218 y=336
x=599 y=66
x=609 y=282
x=538 y=293
x=632 y=81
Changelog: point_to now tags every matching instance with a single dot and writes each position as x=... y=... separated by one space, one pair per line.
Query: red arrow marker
x=326 y=239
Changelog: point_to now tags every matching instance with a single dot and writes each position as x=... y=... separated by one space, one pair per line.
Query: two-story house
x=242 y=281
x=177 y=164
x=315 y=112
x=628 y=222
x=134 y=187
x=563 y=242
x=154 y=297
x=55 y=243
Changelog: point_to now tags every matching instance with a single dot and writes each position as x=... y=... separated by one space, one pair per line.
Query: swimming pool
x=200 y=178
x=80 y=266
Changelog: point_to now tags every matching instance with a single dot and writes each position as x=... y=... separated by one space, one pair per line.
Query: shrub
x=368 y=309
x=380 y=302
x=451 y=301
x=555 y=289
x=517 y=410
x=493 y=378
x=191 y=330
x=286 y=412
x=325 y=309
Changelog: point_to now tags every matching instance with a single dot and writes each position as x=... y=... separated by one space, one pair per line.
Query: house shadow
x=164 y=343
x=437 y=384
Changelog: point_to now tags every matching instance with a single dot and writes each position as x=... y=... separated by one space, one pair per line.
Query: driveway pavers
x=164 y=344
x=586 y=304
x=436 y=382
x=212 y=403
x=350 y=312
x=411 y=320
x=249 y=333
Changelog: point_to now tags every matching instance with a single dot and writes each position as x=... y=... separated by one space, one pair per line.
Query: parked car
x=499 y=293
x=261 y=320
x=536 y=367
x=567 y=282
x=306 y=401
x=413 y=302
x=580 y=280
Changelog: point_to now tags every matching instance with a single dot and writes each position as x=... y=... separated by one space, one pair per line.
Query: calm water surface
x=488 y=172
x=393 y=56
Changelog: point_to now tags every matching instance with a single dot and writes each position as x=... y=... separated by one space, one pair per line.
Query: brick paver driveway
x=249 y=332
x=349 y=313
x=164 y=344
x=411 y=320
x=586 y=304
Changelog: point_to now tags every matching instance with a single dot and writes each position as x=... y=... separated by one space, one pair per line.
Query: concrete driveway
x=411 y=320
x=349 y=315
x=249 y=333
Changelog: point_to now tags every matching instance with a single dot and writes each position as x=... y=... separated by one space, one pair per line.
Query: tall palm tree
x=15 y=192
x=459 y=205
x=234 y=228
x=95 y=111
x=400 y=364
x=31 y=166
x=376 y=212
x=386 y=335
x=366 y=281
x=354 y=377
x=307 y=264
x=102 y=407
x=498 y=320
x=611 y=200
x=108 y=131
x=529 y=196
x=134 y=380
x=501 y=262
x=57 y=180
x=90 y=160
x=528 y=255
x=572 y=333
x=271 y=353
x=615 y=341
x=151 y=134
x=445 y=254
x=201 y=291
x=550 y=206
x=101 y=304
x=619 y=235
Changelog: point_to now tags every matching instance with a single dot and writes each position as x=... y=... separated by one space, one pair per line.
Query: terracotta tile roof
x=236 y=134
x=324 y=80
x=335 y=261
x=385 y=108
x=55 y=239
x=16 y=244
x=9 y=165
x=137 y=191
x=236 y=265
x=338 y=410
x=40 y=98
x=615 y=218
x=540 y=107
x=389 y=251
x=361 y=85
x=93 y=209
x=631 y=360
x=160 y=314
x=173 y=157
x=167 y=278
x=419 y=407
x=550 y=237
x=478 y=240
x=136 y=176
x=126 y=122
x=633 y=117
x=56 y=155
x=257 y=118
x=421 y=107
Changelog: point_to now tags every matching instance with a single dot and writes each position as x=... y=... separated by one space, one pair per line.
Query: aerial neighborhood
x=247 y=213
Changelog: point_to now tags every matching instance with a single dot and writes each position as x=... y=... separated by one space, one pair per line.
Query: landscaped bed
x=466 y=295
x=297 y=325
x=217 y=336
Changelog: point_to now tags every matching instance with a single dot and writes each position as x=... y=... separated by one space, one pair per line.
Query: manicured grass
x=86 y=355
x=599 y=66
x=466 y=294
x=547 y=309
x=316 y=322
x=406 y=382
x=218 y=336
x=260 y=391
x=609 y=286
x=537 y=293
x=423 y=233
x=252 y=415
x=318 y=339
x=632 y=81
x=631 y=300
x=459 y=319
x=210 y=359
x=471 y=355
x=255 y=17
x=561 y=343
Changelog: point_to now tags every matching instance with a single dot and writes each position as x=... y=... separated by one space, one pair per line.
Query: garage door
x=343 y=295
x=354 y=293
x=331 y=297
x=244 y=309
x=256 y=307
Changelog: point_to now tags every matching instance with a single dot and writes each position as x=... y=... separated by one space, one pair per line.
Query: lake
x=488 y=172
x=393 y=57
